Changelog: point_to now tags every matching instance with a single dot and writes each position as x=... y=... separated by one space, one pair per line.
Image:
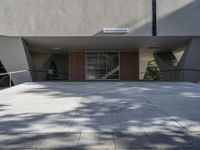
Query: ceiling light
x=56 y=48
x=153 y=47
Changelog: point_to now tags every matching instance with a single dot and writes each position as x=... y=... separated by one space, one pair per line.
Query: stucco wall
x=73 y=17
x=178 y=17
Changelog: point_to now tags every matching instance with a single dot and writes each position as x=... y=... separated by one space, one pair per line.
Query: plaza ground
x=101 y=115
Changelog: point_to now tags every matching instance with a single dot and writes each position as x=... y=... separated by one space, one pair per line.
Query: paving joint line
x=149 y=139
x=186 y=130
x=114 y=141
x=78 y=140
x=76 y=114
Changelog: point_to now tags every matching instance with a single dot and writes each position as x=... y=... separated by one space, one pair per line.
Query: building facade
x=80 y=40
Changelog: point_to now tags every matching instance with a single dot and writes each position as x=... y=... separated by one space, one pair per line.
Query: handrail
x=169 y=70
x=171 y=73
x=41 y=75
x=13 y=72
x=33 y=71
x=46 y=71
x=64 y=73
x=10 y=75
x=179 y=69
x=2 y=74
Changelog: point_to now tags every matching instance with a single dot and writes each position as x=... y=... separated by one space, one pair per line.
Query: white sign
x=115 y=30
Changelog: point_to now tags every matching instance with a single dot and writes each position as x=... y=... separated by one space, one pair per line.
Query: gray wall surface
x=191 y=61
x=188 y=68
x=42 y=63
x=15 y=57
x=164 y=61
x=74 y=17
x=178 y=17
x=89 y=17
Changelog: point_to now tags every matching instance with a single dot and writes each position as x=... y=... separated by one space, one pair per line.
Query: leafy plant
x=52 y=72
x=4 y=81
x=152 y=71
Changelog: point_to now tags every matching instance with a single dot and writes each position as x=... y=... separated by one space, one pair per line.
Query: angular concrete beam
x=190 y=61
x=166 y=62
x=14 y=55
x=188 y=68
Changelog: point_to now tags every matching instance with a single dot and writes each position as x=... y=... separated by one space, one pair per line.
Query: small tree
x=152 y=72
x=52 y=72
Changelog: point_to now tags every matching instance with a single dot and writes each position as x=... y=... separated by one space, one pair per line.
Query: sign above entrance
x=115 y=30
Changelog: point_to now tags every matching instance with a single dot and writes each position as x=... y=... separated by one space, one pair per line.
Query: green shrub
x=152 y=72
x=4 y=81
x=52 y=72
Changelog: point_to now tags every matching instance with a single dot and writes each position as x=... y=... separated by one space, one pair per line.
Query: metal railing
x=9 y=75
x=45 y=75
x=171 y=75
x=6 y=79
x=163 y=75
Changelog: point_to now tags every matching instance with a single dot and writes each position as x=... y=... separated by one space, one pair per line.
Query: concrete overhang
x=64 y=44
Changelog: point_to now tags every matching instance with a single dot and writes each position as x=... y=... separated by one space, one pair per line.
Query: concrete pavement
x=104 y=115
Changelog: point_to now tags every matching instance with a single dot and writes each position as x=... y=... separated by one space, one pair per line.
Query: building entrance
x=102 y=66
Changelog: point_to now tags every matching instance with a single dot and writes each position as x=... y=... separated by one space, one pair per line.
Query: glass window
x=102 y=65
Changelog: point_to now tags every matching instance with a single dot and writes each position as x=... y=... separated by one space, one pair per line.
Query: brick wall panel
x=129 y=66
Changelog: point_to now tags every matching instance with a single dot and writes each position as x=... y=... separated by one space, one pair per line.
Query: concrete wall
x=188 y=68
x=165 y=63
x=73 y=17
x=190 y=61
x=15 y=56
x=41 y=60
x=42 y=63
x=178 y=17
x=89 y=17
x=145 y=55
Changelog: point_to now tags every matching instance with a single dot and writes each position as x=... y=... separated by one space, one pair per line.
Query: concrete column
x=166 y=62
x=187 y=69
x=15 y=56
x=190 y=62
x=145 y=55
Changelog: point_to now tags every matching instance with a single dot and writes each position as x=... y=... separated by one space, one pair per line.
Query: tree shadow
x=117 y=107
